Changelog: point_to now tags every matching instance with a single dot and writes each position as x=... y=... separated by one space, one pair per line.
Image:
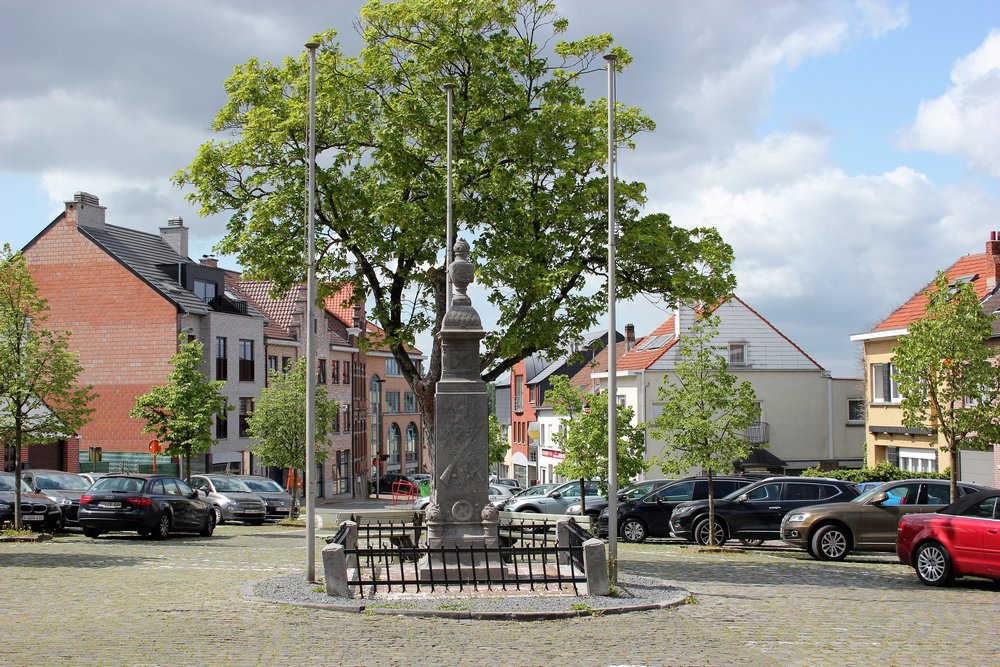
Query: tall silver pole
x=310 y=333
x=450 y=234
x=612 y=338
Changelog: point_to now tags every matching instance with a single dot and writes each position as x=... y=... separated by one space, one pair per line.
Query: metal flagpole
x=310 y=329
x=449 y=235
x=612 y=338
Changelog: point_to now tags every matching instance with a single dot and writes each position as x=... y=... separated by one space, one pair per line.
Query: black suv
x=755 y=512
x=649 y=515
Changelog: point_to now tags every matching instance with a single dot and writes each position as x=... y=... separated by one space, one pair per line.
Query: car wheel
x=633 y=530
x=209 y=527
x=750 y=543
x=933 y=565
x=92 y=532
x=219 y=520
x=163 y=528
x=830 y=543
x=701 y=532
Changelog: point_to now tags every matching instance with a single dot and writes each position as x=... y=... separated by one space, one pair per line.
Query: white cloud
x=963 y=121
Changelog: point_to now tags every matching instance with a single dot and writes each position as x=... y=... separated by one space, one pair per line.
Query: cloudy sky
x=845 y=150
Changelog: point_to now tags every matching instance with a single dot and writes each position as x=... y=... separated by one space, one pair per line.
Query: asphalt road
x=122 y=600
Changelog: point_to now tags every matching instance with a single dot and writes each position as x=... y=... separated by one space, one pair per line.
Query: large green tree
x=41 y=400
x=706 y=411
x=530 y=187
x=948 y=377
x=278 y=421
x=499 y=444
x=181 y=413
x=584 y=437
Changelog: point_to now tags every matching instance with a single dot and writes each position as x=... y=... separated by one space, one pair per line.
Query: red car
x=962 y=539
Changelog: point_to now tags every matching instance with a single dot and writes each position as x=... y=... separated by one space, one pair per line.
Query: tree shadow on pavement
x=63 y=559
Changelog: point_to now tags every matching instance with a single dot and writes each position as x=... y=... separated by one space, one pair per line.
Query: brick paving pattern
x=122 y=600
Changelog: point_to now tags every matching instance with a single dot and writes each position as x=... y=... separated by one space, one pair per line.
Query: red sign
x=154 y=447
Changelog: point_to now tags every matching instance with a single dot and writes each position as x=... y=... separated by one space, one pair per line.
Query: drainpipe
x=829 y=414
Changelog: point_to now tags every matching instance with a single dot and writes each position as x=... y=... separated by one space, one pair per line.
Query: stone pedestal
x=459 y=515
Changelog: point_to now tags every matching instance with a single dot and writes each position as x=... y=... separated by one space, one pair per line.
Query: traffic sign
x=154 y=447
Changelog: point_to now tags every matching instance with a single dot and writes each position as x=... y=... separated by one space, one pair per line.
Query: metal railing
x=758 y=433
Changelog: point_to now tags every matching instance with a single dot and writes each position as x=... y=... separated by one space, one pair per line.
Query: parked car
x=151 y=505
x=63 y=488
x=497 y=496
x=38 y=512
x=280 y=504
x=386 y=481
x=756 y=511
x=536 y=490
x=634 y=490
x=555 y=501
x=864 y=487
x=231 y=498
x=962 y=539
x=507 y=481
x=649 y=515
x=420 y=477
x=867 y=523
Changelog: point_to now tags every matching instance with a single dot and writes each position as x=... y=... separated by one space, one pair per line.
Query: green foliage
x=706 y=412
x=278 y=421
x=181 y=413
x=40 y=398
x=947 y=375
x=499 y=445
x=529 y=177
x=584 y=438
x=883 y=472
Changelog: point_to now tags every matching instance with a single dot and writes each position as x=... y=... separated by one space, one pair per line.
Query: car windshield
x=7 y=484
x=127 y=484
x=62 y=481
x=230 y=485
x=263 y=485
x=863 y=498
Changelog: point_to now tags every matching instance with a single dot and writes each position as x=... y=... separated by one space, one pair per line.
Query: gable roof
x=340 y=304
x=143 y=254
x=282 y=312
x=979 y=269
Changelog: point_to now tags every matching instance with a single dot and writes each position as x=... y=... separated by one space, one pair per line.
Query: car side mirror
x=556 y=495
x=880 y=498
x=36 y=489
x=659 y=500
x=743 y=498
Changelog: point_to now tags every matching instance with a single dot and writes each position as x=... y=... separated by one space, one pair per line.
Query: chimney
x=993 y=245
x=87 y=209
x=209 y=260
x=629 y=336
x=175 y=235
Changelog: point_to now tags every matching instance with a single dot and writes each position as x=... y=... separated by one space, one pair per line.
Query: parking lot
x=123 y=600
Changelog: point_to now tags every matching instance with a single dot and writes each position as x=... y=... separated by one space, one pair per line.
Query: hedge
x=883 y=472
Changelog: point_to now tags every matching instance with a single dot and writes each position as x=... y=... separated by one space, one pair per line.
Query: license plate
x=33 y=517
x=256 y=511
x=109 y=506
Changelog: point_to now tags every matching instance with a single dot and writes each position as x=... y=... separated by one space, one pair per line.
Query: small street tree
x=706 y=412
x=278 y=422
x=181 y=412
x=40 y=398
x=948 y=377
x=584 y=438
x=498 y=443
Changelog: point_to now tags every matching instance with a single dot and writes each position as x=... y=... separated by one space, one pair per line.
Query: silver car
x=498 y=495
x=232 y=499
x=557 y=500
x=280 y=504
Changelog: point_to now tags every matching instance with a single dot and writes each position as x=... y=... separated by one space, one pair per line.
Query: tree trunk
x=583 y=497
x=711 y=510
x=18 y=524
x=956 y=456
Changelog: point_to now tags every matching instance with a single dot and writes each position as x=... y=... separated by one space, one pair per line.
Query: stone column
x=459 y=514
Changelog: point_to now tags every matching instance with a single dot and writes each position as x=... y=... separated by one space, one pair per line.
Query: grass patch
x=691 y=599
x=319 y=589
x=296 y=523
x=11 y=532
x=386 y=605
x=453 y=606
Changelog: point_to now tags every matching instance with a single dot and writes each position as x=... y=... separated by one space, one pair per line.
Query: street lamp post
x=612 y=338
x=310 y=333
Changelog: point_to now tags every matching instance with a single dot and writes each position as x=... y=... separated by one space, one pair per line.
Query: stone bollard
x=562 y=540
x=595 y=563
x=335 y=571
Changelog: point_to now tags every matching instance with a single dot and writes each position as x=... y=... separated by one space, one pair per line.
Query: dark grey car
x=232 y=498
x=63 y=488
x=280 y=504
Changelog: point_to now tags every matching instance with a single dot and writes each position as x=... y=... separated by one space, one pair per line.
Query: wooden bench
x=514 y=526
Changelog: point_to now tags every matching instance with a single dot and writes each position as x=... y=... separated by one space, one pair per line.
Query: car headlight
x=798 y=517
x=573 y=509
x=681 y=511
x=62 y=501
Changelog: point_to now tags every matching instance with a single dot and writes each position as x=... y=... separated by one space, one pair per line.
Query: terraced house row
x=127 y=295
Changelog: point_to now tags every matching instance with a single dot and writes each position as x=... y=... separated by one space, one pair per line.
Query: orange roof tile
x=982 y=265
x=598 y=365
x=340 y=304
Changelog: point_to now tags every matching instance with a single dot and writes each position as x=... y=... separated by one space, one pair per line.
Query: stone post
x=595 y=562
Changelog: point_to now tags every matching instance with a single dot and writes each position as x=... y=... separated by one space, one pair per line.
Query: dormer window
x=205 y=290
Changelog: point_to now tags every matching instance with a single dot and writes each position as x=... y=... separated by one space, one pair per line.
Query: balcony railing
x=224 y=304
x=758 y=433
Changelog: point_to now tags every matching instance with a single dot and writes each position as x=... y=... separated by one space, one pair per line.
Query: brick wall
x=124 y=331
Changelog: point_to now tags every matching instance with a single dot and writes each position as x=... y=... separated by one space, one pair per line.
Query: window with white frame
x=883 y=382
x=737 y=354
x=392 y=367
x=917 y=460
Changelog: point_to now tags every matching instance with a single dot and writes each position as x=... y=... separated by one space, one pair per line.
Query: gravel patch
x=634 y=594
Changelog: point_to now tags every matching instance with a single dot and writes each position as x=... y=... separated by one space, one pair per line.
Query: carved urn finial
x=462 y=273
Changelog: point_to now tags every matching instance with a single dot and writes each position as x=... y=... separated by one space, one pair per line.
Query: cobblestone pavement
x=122 y=600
